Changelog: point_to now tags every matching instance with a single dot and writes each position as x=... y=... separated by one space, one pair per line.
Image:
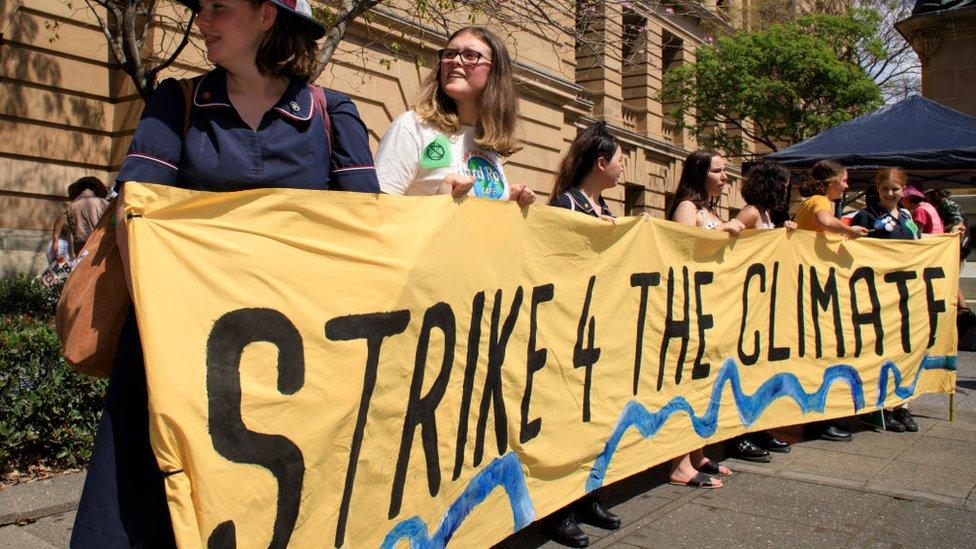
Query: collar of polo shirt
x=295 y=103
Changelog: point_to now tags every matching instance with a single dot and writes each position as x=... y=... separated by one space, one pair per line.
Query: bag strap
x=320 y=104
x=186 y=86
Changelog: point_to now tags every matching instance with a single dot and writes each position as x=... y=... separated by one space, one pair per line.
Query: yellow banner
x=359 y=370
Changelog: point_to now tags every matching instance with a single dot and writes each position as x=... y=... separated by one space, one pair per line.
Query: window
x=671 y=48
x=633 y=37
x=633 y=199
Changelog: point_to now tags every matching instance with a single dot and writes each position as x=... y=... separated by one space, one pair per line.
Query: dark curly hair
x=767 y=186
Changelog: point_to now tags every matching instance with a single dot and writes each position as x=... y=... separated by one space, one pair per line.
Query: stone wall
x=68 y=110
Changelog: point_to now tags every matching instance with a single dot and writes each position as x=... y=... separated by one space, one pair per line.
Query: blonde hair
x=498 y=117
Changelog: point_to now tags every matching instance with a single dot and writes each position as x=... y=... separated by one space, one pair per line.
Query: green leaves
x=48 y=413
x=775 y=86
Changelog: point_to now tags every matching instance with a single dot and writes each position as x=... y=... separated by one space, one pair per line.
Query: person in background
x=81 y=214
x=703 y=180
x=949 y=210
x=825 y=183
x=253 y=122
x=883 y=218
x=766 y=189
x=953 y=220
x=592 y=165
x=464 y=120
x=924 y=214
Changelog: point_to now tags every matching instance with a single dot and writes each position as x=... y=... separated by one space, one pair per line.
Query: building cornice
x=941 y=22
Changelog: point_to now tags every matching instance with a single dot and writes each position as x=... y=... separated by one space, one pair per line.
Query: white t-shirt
x=414 y=158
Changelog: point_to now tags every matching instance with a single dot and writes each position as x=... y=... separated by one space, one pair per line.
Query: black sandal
x=712 y=468
x=700 y=480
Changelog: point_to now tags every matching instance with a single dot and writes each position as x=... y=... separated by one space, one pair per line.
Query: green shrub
x=48 y=413
x=22 y=295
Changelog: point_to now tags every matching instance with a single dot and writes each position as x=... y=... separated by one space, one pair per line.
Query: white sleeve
x=398 y=156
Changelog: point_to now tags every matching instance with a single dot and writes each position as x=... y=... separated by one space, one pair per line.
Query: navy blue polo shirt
x=881 y=224
x=220 y=152
x=573 y=199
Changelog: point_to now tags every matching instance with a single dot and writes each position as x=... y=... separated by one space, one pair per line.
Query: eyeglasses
x=468 y=57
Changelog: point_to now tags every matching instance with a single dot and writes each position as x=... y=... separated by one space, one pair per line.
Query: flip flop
x=700 y=480
x=712 y=468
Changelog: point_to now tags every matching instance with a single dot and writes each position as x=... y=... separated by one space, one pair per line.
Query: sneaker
x=905 y=418
x=892 y=424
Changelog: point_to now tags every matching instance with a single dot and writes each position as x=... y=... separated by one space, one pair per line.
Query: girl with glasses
x=463 y=122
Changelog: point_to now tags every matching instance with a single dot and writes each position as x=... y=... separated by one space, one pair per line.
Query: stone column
x=598 y=66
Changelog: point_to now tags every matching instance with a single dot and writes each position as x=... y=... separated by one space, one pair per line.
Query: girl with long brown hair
x=702 y=183
x=593 y=164
x=464 y=120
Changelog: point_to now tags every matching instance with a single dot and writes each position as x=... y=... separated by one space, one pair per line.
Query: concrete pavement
x=881 y=490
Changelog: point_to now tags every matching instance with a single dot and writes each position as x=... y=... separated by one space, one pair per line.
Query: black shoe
x=903 y=416
x=836 y=434
x=565 y=530
x=892 y=424
x=591 y=511
x=768 y=442
x=744 y=449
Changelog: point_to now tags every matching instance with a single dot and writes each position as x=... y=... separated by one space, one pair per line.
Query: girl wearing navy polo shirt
x=464 y=120
x=883 y=218
x=254 y=121
x=592 y=165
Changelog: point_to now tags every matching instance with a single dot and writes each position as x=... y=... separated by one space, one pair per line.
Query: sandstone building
x=68 y=110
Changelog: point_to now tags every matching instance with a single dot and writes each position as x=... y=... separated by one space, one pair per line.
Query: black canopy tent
x=936 y=145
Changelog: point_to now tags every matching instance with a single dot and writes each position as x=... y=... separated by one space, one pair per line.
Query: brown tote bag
x=94 y=302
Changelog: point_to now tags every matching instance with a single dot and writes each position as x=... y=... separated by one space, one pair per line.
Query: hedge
x=48 y=413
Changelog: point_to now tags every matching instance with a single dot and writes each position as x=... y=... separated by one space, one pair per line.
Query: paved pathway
x=881 y=490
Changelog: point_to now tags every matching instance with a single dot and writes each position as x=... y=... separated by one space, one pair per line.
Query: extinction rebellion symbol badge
x=437 y=154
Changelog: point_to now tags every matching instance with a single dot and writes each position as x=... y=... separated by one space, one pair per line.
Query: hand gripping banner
x=355 y=370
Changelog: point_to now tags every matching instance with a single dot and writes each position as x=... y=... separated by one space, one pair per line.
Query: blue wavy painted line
x=505 y=471
x=889 y=368
x=750 y=407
